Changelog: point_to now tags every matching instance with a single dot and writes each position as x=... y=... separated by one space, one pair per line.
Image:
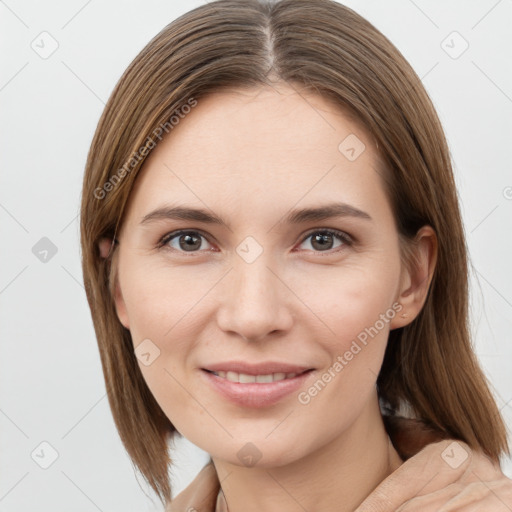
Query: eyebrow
x=296 y=216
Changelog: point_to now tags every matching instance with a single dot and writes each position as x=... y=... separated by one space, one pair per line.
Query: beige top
x=204 y=493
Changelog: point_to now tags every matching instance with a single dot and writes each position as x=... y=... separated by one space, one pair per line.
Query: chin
x=260 y=452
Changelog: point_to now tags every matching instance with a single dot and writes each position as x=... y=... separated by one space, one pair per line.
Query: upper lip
x=264 y=368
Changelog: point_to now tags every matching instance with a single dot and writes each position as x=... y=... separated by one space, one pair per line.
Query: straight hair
x=324 y=47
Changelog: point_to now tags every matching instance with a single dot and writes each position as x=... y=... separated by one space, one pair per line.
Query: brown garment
x=204 y=494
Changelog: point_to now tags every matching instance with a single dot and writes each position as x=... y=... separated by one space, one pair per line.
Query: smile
x=255 y=391
x=244 y=378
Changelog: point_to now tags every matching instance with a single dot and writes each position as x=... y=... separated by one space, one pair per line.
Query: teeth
x=243 y=378
x=265 y=378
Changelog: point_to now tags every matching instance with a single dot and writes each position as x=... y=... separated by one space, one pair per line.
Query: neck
x=338 y=476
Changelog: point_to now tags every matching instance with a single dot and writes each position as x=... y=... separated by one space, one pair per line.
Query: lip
x=256 y=394
x=263 y=368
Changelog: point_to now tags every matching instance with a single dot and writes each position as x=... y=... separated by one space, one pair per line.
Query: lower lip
x=256 y=394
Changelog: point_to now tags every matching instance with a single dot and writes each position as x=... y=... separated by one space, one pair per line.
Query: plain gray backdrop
x=59 y=64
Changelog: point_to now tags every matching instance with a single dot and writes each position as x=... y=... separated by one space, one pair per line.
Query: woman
x=275 y=263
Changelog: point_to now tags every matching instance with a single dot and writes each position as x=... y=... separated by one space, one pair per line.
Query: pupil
x=323 y=239
x=189 y=243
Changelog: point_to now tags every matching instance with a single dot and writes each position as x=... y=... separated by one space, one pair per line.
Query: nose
x=255 y=302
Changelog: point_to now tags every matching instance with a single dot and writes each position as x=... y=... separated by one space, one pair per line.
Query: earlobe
x=416 y=278
x=105 y=247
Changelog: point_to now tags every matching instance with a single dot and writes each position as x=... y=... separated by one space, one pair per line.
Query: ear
x=105 y=247
x=122 y=313
x=416 y=277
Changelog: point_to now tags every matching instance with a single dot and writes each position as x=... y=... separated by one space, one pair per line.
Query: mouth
x=255 y=389
x=245 y=378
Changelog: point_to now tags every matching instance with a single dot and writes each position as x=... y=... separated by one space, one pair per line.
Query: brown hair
x=326 y=48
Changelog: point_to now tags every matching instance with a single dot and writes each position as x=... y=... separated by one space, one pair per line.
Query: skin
x=250 y=156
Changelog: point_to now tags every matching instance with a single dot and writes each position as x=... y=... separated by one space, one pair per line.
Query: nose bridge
x=254 y=301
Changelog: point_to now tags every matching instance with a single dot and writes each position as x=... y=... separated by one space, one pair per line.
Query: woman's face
x=270 y=288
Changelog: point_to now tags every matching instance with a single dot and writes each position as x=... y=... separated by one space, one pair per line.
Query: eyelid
x=347 y=239
x=173 y=234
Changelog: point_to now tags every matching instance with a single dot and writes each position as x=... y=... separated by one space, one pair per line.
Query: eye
x=190 y=241
x=322 y=240
x=183 y=241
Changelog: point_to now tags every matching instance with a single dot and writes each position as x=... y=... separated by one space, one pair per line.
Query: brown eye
x=324 y=240
x=184 y=241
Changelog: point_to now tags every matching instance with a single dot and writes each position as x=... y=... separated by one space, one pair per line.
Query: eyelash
x=342 y=236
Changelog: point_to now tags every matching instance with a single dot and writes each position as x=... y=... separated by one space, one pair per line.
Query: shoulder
x=200 y=495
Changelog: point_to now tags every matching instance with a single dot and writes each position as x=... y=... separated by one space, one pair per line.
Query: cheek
x=357 y=304
x=165 y=315
x=358 y=307
x=160 y=326
x=161 y=300
x=353 y=299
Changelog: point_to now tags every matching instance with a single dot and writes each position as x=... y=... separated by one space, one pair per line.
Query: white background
x=51 y=379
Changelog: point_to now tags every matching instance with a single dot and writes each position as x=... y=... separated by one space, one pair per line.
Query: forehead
x=254 y=149
x=282 y=120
